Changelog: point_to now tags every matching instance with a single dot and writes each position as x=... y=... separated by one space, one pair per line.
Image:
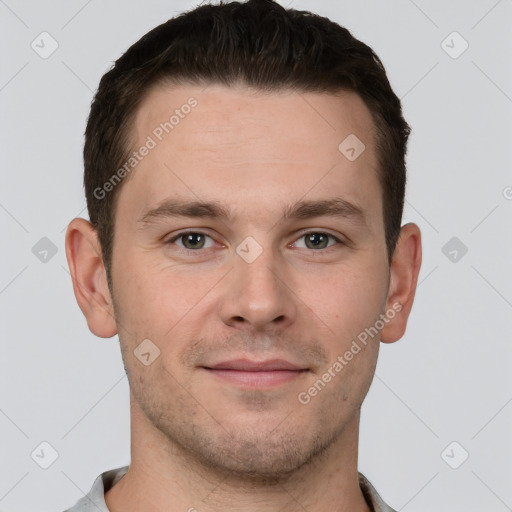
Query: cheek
x=153 y=298
x=346 y=300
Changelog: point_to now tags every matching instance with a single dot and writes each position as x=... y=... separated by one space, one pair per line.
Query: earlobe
x=88 y=274
x=405 y=268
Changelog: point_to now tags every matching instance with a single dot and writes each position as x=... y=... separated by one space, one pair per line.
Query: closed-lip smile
x=247 y=365
x=256 y=374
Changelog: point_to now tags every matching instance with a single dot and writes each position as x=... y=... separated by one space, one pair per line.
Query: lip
x=246 y=365
x=256 y=374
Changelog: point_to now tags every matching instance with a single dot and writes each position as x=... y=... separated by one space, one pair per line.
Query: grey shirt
x=94 y=500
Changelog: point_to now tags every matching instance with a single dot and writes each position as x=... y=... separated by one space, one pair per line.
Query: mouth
x=256 y=374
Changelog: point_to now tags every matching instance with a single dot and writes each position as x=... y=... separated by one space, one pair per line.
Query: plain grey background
x=441 y=394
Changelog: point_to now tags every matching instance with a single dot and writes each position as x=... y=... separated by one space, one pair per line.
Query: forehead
x=245 y=145
x=224 y=114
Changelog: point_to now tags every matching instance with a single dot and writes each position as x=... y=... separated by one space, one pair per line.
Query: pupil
x=316 y=239
x=311 y=238
x=192 y=239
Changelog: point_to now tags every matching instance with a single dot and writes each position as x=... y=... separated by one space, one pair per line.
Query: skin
x=198 y=441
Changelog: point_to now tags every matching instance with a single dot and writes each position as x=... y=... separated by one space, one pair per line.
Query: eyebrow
x=335 y=207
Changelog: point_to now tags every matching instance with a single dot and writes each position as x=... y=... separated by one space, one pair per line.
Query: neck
x=165 y=477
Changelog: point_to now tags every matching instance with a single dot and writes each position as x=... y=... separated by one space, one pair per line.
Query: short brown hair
x=260 y=44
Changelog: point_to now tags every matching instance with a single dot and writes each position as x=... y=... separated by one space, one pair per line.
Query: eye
x=191 y=240
x=196 y=240
x=317 y=240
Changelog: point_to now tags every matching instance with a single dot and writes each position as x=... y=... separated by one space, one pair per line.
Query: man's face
x=209 y=296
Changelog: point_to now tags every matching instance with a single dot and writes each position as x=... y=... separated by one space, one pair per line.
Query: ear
x=89 y=277
x=405 y=267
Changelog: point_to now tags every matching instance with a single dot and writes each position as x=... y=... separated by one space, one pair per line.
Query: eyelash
x=199 y=251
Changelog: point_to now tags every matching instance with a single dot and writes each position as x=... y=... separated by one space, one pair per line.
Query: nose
x=259 y=295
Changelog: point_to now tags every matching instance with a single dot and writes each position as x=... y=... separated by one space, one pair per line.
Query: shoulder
x=372 y=496
x=94 y=500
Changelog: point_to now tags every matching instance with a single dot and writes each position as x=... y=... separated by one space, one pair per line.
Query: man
x=245 y=178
